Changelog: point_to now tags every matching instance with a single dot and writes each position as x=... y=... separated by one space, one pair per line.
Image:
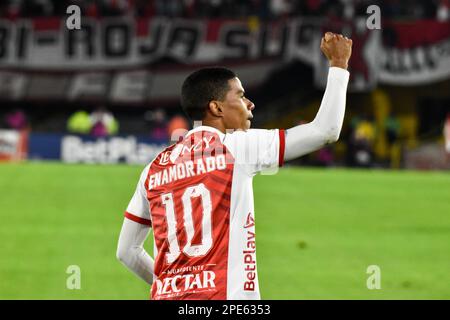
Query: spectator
x=144 y=8
x=103 y=123
x=168 y=8
x=114 y=7
x=176 y=126
x=443 y=11
x=16 y=120
x=325 y=157
x=280 y=7
x=79 y=123
x=360 y=145
x=158 y=124
x=392 y=126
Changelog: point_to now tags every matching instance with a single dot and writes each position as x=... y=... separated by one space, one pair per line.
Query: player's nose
x=250 y=105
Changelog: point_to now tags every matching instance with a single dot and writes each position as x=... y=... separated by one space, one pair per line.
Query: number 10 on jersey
x=188 y=222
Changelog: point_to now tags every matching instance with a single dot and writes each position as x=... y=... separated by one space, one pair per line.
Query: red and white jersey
x=197 y=195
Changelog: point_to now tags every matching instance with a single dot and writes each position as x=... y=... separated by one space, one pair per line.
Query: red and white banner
x=123 y=60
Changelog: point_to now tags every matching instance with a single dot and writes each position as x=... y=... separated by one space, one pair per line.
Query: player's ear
x=215 y=108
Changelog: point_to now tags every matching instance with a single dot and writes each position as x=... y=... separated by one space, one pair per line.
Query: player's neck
x=215 y=124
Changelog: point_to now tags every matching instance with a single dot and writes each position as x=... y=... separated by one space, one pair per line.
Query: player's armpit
x=130 y=250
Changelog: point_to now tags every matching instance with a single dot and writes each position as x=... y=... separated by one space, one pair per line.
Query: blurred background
x=108 y=93
x=120 y=75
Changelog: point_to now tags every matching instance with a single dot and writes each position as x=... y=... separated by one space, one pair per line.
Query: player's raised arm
x=326 y=126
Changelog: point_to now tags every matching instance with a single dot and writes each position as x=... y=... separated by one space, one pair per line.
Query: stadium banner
x=135 y=61
x=13 y=145
x=87 y=149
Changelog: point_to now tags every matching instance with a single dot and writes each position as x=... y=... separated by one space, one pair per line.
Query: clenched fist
x=337 y=49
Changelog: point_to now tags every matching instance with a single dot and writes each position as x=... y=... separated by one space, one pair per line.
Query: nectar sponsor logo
x=186 y=283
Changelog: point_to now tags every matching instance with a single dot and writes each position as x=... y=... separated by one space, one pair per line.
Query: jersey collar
x=207 y=128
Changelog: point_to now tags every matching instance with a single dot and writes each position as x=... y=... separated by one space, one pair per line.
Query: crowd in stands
x=264 y=9
x=101 y=122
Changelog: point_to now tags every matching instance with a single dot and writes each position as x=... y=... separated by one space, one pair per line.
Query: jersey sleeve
x=258 y=150
x=138 y=209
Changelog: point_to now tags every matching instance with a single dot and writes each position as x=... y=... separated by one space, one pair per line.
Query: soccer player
x=197 y=194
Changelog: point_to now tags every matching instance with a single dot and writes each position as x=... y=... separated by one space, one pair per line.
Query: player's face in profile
x=237 y=108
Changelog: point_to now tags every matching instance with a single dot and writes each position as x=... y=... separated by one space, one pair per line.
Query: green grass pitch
x=317 y=232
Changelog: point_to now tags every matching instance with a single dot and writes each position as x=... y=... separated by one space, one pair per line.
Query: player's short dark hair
x=203 y=86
